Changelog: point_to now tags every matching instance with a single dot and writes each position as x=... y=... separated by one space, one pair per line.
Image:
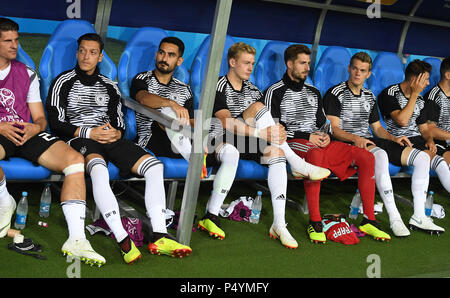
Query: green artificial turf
x=247 y=251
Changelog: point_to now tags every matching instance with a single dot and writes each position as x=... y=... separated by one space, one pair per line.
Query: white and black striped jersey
x=439 y=107
x=236 y=101
x=296 y=105
x=76 y=99
x=175 y=90
x=355 y=112
x=391 y=99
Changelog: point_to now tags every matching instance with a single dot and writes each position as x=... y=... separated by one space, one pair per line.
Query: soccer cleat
x=170 y=247
x=370 y=227
x=283 y=234
x=6 y=213
x=204 y=169
x=399 y=229
x=81 y=249
x=316 y=233
x=311 y=172
x=133 y=254
x=210 y=224
x=425 y=224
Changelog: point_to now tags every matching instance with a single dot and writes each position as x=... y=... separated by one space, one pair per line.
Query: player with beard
x=246 y=121
x=298 y=106
x=158 y=89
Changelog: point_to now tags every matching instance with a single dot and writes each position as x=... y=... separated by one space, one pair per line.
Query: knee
x=272 y=151
x=74 y=163
x=228 y=153
x=315 y=156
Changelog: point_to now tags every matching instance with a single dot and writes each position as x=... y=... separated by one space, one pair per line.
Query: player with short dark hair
x=158 y=89
x=439 y=97
x=22 y=134
x=298 y=106
x=84 y=108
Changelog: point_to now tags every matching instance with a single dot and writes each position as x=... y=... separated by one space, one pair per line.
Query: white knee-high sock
x=440 y=166
x=228 y=155
x=155 y=197
x=277 y=182
x=104 y=197
x=384 y=183
x=181 y=143
x=75 y=214
x=263 y=119
x=419 y=180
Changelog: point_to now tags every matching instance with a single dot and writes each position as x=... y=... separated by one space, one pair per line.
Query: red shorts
x=338 y=157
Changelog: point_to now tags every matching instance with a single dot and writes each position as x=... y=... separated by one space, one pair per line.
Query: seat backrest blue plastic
x=139 y=56
x=331 y=68
x=198 y=67
x=435 y=75
x=59 y=54
x=23 y=57
x=271 y=67
x=387 y=69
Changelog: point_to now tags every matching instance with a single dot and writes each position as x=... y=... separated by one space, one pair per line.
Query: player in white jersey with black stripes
x=344 y=103
x=22 y=134
x=298 y=106
x=158 y=89
x=243 y=120
x=84 y=108
x=439 y=97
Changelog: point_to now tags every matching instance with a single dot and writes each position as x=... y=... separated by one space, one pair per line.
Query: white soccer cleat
x=283 y=234
x=6 y=213
x=81 y=249
x=311 y=172
x=426 y=224
x=399 y=229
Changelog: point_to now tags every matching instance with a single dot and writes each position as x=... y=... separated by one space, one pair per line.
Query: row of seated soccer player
x=84 y=115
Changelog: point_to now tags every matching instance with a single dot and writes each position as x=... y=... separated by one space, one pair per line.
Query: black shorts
x=160 y=145
x=122 y=153
x=442 y=146
x=393 y=150
x=32 y=149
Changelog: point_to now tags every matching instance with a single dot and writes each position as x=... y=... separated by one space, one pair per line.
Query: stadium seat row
x=138 y=56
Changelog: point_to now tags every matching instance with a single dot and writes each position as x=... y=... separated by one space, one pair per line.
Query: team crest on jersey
x=366 y=106
x=312 y=100
x=100 y=99
x=175 y=97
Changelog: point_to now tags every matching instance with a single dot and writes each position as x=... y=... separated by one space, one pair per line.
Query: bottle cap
x=431 y=192
x=259 y=193
x=24 y=193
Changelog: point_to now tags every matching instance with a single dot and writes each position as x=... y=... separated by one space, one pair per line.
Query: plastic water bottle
x=256 y=208
x=21 y=212
x=354 y=207
x=429 y=203
x=46 y=200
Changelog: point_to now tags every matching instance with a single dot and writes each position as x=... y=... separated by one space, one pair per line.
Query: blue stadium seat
x=331 y=68
x=59 y=54
x=198 y=67
x=387 y=70
x=139 y=56
x=271 y=66
x=23 y=57
x=435 y=75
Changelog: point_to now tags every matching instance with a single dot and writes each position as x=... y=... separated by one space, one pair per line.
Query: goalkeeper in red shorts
x=298 y=106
